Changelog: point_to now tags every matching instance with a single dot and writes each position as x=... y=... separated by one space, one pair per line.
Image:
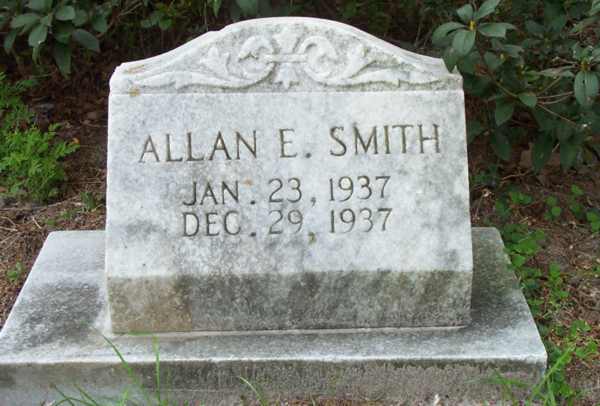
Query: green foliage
x=13 y=112
x=537 y=61
x=30 y=164
x=554 y=389
x=522 y=244
x=554 y=210
x=547 y=294
x=557 y=293
x=575 y=205
x=593 y=217
x=519 y=198
x=486 y=178
x=575 y=344
x=582 y=211
x=59 y=28
x=506 y=203
x=90 y=201
x=55 y=26
x=14 y=274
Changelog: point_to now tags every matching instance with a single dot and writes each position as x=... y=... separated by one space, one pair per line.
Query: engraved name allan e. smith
x=383 y=139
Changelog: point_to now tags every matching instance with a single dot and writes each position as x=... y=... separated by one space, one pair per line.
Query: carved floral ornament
x=285 y=57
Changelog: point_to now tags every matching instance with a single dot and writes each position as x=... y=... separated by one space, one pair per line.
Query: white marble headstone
x=287 y=173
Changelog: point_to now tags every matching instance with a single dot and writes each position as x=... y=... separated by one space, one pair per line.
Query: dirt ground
x=81 y=106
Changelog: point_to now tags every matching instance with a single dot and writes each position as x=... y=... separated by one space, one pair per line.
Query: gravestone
x=287 y=202
x=287 y=176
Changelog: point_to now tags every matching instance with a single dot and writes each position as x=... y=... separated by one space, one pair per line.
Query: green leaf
x=518 y=260
x=487 y=8
x=501 y=145
x=86 y=39
x=578 y=51
x=248 y=7
x=586 y=88
x=568 y=153
x=468 y=64
x=62 y=32
x=65 y=13
x=463 y=41
x=545 y=120
x=216 y=6
x=557 y=72
x=450 y=58
x=512 y=50
x=35 y=54
x=99 y=23
x=443 y=30
x=165 y=23
x=9 y=40
x=465 y=13
x=474 y=128
x=558 y=23
x=576 y=191
x=542 y=150
x=492 y=61
x=24 y=19
x=37 y=36
x=528 y=98
x=4 y=17
x=62 y=57
x=563 y=131
x=495 y=30
x=46 y=20
x=504 y=111
x=39 y=5
x=533 y=27
x=582 y=25
x=81 y=18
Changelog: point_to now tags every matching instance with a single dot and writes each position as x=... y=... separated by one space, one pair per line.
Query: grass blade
x=258 y=392
x=86 y=396
x=130 y=372
x=157 y=369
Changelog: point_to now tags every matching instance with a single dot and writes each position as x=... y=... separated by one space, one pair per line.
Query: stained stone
x=53 y=336
x=287 y=173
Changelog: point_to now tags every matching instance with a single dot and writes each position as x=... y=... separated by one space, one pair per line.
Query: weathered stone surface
x=287 y=173
x=53 y=336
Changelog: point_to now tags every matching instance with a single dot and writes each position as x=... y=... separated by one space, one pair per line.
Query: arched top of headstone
x=288 y=54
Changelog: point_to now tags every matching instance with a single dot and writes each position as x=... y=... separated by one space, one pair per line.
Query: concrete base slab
x=54 y=337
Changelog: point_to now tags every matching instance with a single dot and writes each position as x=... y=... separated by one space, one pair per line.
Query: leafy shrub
x=58 y=27
x=29 y=158
x=13 y=112
x=542 y=68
